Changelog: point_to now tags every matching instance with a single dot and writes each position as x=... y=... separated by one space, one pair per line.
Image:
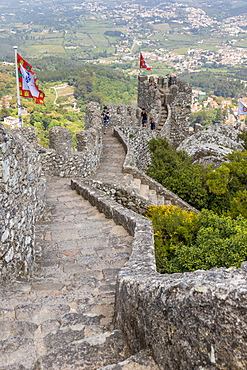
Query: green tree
x=174 y=170
x=3 y=113
x=220 y=241
x=185 y=241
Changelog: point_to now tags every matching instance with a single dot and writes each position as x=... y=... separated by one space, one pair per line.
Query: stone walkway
x=62 y=319
x=110 y=169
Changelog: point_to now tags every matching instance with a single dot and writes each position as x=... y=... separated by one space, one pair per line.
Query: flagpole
x=140 y=70
x=18 y=89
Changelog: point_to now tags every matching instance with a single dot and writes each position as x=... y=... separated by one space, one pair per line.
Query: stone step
x=136 y=185
x=153 y=197
x=144 y=191
x=86 y=353
x=160 y=200
x=140 y=361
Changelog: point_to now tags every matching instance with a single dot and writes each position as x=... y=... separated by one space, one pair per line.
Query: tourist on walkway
x=152 y=124
x=106 y=118
x=144 y=117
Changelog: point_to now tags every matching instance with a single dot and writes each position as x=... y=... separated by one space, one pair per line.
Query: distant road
x=133 y=45
x=57 y=88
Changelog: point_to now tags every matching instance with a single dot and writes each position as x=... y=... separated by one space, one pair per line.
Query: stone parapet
x=136 y=141
x=194 y=320
x=93 y=115
x=22 y=199
x=61 y=161
x=122 y=195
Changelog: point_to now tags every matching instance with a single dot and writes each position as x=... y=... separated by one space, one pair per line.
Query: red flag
x=27 y=82
x=143 y=63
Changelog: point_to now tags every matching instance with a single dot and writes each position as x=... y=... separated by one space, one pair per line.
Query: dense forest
x=91 y=82
x=228 y=85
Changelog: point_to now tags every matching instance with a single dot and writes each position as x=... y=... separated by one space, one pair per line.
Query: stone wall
x=22 y=198
x=137 y=141
x=180 y=102
x=59 y=159
x=188 y=321
x=122 y=195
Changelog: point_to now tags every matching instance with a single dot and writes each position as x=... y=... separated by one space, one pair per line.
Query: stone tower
x=168 y=101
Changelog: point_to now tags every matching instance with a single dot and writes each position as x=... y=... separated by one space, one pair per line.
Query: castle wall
x=22 y=197
x=180 y=102
x=59 y=159
x=195 y=320
x=137 y=140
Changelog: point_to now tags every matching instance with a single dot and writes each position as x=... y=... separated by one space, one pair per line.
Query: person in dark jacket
x=152 y=124
x=144 y=117
x=106 y=118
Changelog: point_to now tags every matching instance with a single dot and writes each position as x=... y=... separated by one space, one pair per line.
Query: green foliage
x=218 y=179
x=238 y=205
x=102 y=84
x=174 y=170
x=172 y=227
x=211 y=188
x=7 y=81
x=185 y=241
x=204 y=117
x=220 y=241
x=243 y=136
x=3 y=113
x=219 y=85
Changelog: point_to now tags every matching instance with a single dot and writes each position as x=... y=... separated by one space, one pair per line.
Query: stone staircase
x=110 y=171
x=151 y=195
x=63 y=317
x=164 y=115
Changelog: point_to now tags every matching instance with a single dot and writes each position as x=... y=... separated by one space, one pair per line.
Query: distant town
x=182 y=38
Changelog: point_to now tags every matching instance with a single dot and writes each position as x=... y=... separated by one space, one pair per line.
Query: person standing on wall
x=152 y=124
x=106 y=118
x=144 y=117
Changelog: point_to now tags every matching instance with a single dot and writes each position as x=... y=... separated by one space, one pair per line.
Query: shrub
x=173 y=227
x=185 y=241
x=174 y=170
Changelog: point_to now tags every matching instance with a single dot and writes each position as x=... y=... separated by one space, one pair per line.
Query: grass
x=36 y=50
x=181 y=51
x=163 y=27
